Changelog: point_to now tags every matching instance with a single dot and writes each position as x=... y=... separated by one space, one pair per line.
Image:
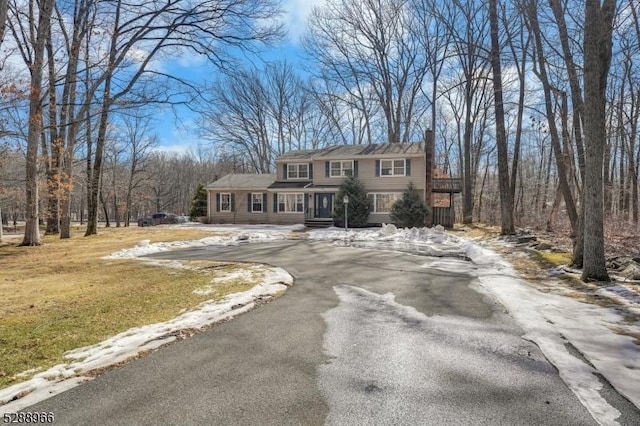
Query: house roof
x=290 y=184
x=342 y=151
x=243 y=181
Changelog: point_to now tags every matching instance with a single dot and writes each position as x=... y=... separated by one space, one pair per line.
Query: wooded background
x=80 y=88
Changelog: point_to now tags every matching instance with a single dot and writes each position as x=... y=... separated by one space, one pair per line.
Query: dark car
x=158 y=219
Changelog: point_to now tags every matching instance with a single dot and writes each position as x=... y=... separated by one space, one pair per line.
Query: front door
x=324 y=205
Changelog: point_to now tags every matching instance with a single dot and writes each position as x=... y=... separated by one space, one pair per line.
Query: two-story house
x=306 y=183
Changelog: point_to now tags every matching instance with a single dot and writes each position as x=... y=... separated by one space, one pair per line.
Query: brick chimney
x=429 y=148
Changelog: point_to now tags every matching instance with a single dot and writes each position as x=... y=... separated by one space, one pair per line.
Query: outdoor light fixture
x=345 y=200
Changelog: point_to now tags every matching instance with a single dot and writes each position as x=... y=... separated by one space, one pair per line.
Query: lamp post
x=345 y=200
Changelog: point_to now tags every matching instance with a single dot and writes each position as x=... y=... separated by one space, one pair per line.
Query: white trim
x=374 y=195
x=393 y=167
x=285 y=195
x=261 y=194
x=221 y=202
x=297 y=167
x=341 y=169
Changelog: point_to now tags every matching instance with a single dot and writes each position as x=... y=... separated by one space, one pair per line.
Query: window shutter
x=284 y=171
x=264 y=203
x=249 y=202
x=407 y=167
x=217 y=201
x=355 y=168
x=377 y=168
x=326 y=169
x=233 y=202
x=310 y=171
x=306 y=202
x=275 y=202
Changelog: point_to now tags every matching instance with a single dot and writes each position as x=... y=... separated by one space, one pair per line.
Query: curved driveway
x=337 y=348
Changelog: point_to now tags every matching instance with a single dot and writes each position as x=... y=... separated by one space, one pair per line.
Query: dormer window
x=298 y=171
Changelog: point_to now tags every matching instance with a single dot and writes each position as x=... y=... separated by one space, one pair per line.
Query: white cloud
x=190 y=59
x=177 y=137
x=296 y=14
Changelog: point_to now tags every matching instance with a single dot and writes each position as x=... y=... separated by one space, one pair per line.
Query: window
x=392 y=167
x=297 y=171
x=257 y=202
x=225 y=202
x=291 y=203
x=382 y=202
x=341 y=168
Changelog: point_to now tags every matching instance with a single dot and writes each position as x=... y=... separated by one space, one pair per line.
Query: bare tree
x=259 y=114
x=468 y=24
x=370 y=50
x=541 y=72
x=4 y=9
x=149 y=29
x=598 y=32
x=33 y=53
x=138 y=142
x=506 y=200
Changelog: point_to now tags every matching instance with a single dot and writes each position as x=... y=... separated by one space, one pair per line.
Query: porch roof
x=323 y=186
x=290 y=184
x=244 y=181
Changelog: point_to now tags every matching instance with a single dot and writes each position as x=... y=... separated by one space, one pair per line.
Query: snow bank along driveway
x=555 y=323
x=84 y=362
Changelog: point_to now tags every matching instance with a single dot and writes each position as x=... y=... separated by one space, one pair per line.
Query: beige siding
x=366 y=174
x=279 y=218
x=376 y=218
x=285 y=218
x=280 y=172
x=240 y=213
x=373 y=183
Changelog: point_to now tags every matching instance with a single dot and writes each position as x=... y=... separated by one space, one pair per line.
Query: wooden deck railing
x=447 y=185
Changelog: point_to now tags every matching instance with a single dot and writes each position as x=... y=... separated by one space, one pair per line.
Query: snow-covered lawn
x=554 y=322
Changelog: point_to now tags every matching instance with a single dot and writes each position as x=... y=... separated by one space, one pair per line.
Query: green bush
x=410 y=210
x=199 y=203
x=359 y=204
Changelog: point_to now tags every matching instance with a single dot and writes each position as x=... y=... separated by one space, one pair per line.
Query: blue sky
x=181 y=134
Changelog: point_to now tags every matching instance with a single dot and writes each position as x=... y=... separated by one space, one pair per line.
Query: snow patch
x=136 y=340
x=551 y=321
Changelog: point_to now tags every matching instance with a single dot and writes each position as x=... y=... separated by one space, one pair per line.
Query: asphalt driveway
x=362 y=337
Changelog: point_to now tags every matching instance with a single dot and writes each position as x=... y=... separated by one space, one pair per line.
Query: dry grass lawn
x=63 y=295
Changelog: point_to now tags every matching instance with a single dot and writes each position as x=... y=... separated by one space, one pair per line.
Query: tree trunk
x=32 y=231
x=597 y=60
x=554 y=210
x=53 y=172
x=506 y=199
x=576 y=92
x=4 y=8
x=555 y=138
x=105 y=209
x=94 y=195
x=68 y=116
x=467 y=193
